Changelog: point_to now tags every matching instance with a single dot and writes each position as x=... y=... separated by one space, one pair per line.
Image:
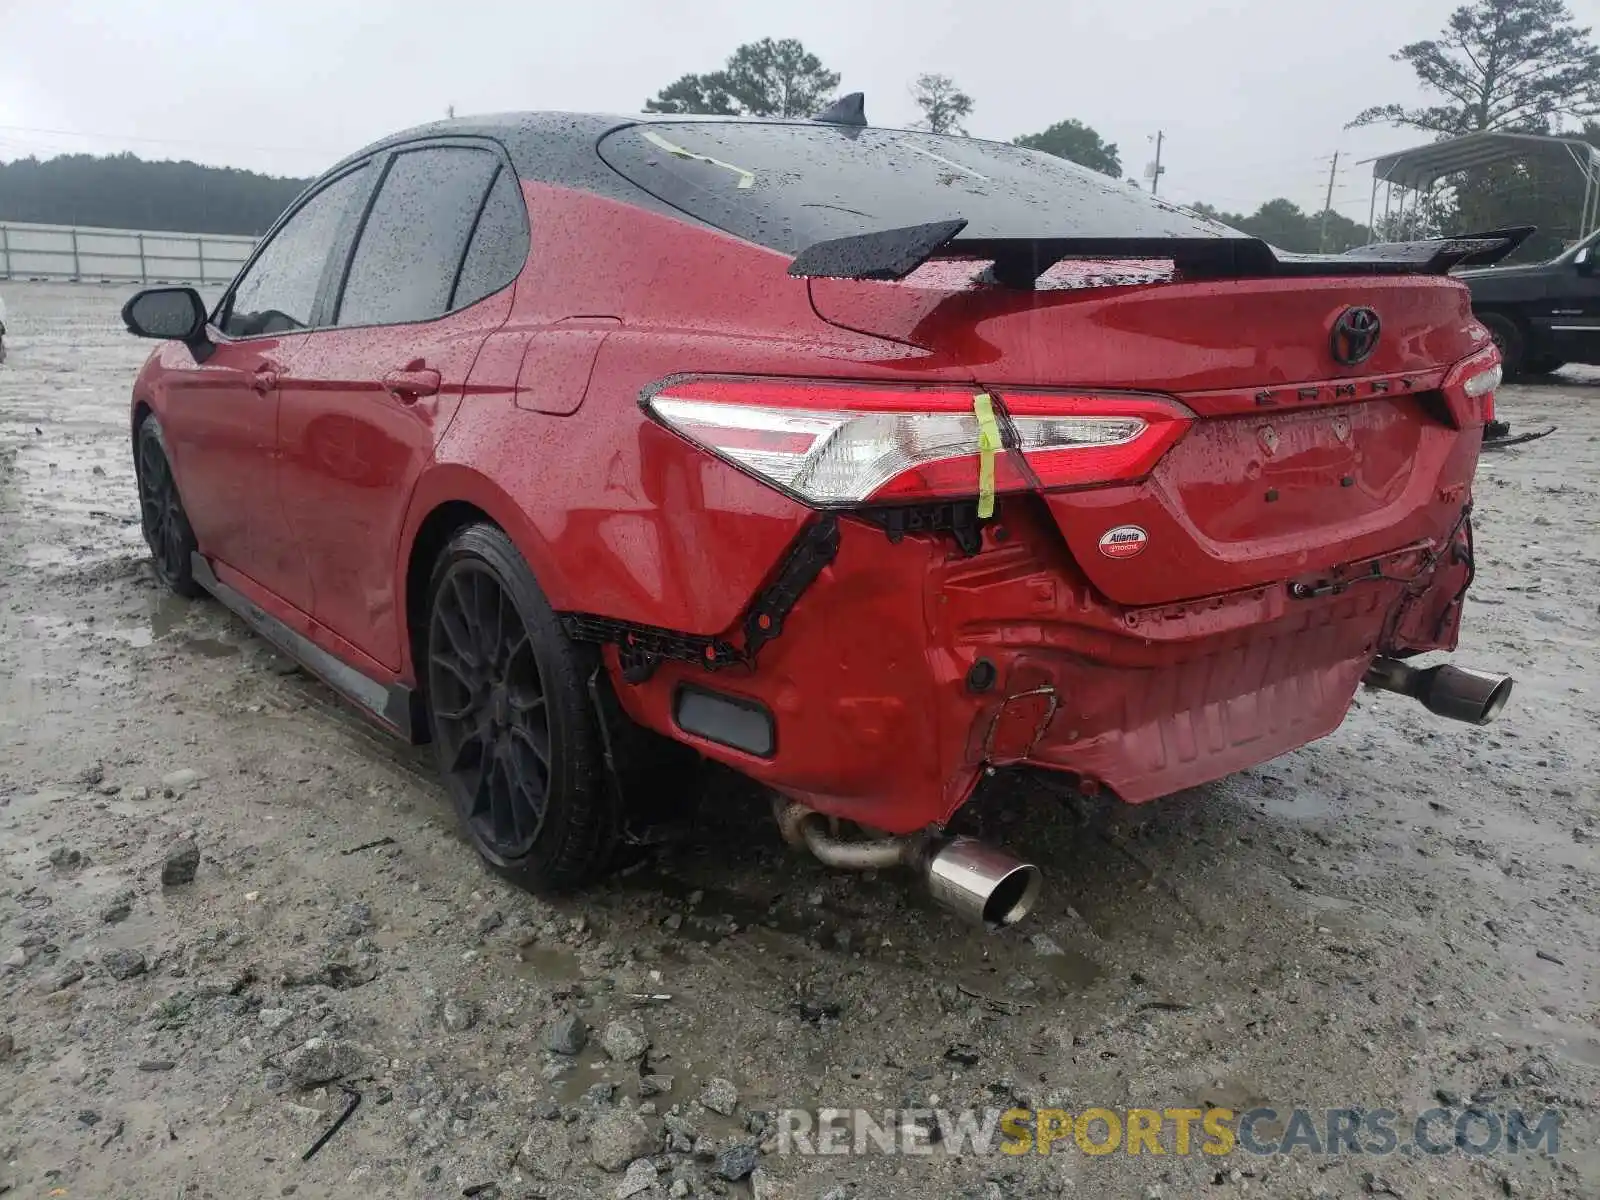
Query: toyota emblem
x=1355 y=336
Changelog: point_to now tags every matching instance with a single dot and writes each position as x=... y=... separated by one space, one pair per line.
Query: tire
x=1508 y=337
x=161 y=513
x=513 y=728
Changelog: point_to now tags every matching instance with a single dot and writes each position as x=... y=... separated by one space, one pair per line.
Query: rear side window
x=499 y=244
x=788 y=186
x=278 y=291
x=411 y=246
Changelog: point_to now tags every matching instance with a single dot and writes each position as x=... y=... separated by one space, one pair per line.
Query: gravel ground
x=1402 y=915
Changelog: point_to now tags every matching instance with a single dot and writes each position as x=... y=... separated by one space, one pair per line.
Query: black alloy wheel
x=489 y=705
x=1508 y=340
x=513 y=724
x=166 y=525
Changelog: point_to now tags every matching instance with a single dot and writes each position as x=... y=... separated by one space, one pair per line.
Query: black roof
x=548 y=147
x=558 y=148
x=563 y=149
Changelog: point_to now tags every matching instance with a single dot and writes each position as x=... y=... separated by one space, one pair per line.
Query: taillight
x=1470 y=385
x=838 y=444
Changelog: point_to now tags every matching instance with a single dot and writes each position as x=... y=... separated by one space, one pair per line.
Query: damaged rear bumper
x=908 y=668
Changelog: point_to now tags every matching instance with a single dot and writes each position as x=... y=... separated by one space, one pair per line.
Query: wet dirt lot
x=1402 y=916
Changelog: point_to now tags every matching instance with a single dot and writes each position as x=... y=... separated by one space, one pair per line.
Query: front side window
x=278 y=291
x=411 y=247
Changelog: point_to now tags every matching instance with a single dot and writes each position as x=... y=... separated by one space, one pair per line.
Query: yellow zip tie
x=988 y=444
x=746 y=178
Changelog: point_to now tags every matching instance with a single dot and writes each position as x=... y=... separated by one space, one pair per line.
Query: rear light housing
x=834 y=444
x=1470 y=385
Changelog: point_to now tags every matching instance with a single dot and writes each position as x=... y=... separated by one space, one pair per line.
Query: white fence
x=118 y=255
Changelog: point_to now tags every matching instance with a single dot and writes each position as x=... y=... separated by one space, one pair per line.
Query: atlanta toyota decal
x=1123 y=542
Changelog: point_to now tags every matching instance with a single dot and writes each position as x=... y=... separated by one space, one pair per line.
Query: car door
x=221 y=417
x=367 y=400
x=1573 y=313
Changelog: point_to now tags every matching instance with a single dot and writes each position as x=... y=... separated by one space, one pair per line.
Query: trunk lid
x=1294 y=464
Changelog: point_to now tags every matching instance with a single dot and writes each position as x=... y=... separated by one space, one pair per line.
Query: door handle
x=264 y=379
x=411 y=383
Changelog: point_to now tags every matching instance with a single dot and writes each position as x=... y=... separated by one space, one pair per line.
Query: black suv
x=1542 y=315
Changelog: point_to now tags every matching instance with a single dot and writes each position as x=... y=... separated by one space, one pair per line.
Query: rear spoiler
x=1501 y=243
x=891 y=254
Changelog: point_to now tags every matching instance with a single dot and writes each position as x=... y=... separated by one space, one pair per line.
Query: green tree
x=1500 y=64
x=1342 y=232
x=694 y=94
x=943 y=104
x=122 y=191
x=760 y=79
x=1515 y=65
x=1539 y=188
x=1283 y=224
x=1075 y=141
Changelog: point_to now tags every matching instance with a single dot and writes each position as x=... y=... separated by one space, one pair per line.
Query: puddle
x=1021 y=982
x=1288 y=799
x=546 y=965
x=210 y=647
x=165 y=619
x=138 y=636
x=1577 y=1044
x=1072 y=970
x=39 y=557
x=588 y=1068
x=1230 y=1093
x=46 y=626
x=167 y=613
x=1009 y=972
x=591 y=1068
x=721 y=913
x=29 y=804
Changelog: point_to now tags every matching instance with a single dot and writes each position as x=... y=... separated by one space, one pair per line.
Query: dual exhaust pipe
x=971 y=878
x=1460 y=693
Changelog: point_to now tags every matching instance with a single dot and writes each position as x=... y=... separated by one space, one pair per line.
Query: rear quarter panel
x=618 y=516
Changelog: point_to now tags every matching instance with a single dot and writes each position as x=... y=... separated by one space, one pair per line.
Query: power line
x=1322 y=237
x=1155 y=167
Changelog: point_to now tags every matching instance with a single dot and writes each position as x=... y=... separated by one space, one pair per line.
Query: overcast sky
x=1251 y=94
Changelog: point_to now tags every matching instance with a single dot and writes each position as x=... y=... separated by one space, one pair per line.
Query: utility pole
x=1155 y=172
x=1322 y=238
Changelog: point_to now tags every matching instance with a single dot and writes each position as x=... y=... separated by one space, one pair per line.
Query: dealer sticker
x=1123 y=542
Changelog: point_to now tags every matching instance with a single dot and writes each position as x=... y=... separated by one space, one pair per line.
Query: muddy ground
x=1400 y=916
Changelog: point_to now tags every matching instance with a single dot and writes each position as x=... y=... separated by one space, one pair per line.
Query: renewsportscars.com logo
x=1166 y=1131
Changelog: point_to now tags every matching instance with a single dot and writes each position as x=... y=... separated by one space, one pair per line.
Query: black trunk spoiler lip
x=892 y=254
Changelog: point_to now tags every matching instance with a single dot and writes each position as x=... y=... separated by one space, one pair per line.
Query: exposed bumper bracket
x=958 y=518
x=641 y=647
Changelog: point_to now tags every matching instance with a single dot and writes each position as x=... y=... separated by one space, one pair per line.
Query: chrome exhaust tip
x=985 y=885
x=1459 y=693
x=982 y=884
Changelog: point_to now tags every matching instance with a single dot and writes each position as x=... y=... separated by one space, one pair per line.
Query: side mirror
x=169 y=313
x=1584 y=261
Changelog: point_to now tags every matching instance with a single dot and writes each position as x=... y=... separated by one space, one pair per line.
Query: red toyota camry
x=860 y=460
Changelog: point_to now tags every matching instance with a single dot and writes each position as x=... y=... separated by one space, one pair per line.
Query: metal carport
x=1416 y=172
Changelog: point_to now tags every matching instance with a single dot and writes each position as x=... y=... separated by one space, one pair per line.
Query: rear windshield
x=788 y=186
